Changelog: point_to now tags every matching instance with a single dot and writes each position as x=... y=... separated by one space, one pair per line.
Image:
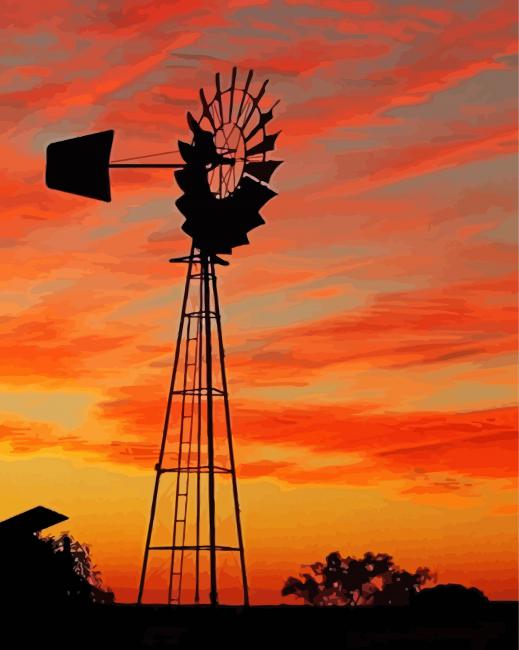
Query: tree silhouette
x=373 y=579
x=47 y=571
x=80 y=569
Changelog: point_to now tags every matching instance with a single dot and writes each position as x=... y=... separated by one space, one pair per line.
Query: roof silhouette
x=30 y=521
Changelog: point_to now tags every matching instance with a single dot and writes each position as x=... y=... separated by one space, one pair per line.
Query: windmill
x=224 y=180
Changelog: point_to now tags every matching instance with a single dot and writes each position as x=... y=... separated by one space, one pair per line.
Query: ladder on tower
x=192 y=368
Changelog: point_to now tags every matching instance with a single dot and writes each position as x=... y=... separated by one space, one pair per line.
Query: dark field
x=128 y=626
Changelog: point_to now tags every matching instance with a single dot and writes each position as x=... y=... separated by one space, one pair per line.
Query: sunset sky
x=370 y=326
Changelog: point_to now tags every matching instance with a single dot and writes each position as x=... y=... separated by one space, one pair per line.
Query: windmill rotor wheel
x=235 y=119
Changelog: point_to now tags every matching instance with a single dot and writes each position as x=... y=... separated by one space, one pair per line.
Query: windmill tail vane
x=223 y=177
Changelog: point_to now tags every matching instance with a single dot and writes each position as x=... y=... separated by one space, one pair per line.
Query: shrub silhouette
x=373 y=579
x=451 y=602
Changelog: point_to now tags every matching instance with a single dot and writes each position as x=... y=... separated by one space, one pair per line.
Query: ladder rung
x=198 y=391
x=180 y=521
x=203 y=469
x=182 y=494
x=193 y=548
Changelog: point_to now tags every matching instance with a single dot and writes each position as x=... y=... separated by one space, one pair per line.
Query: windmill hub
x=230 y=143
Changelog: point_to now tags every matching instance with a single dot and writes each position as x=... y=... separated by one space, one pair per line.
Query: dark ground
x=128 y=627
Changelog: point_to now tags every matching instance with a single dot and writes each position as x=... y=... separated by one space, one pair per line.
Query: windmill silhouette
x=224 y=179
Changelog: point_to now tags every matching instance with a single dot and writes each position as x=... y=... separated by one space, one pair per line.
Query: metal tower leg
x=158 y=466
x=199 y=449
x=210 y=429
x=229 y=439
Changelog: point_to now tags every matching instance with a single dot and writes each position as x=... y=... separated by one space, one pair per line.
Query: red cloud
x=479 y=444
x=397 y=330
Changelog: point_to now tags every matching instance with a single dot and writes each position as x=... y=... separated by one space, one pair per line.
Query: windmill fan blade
x=206 y=112
x=80 y=165
x=193 y=124
x=253 y=194
x=185 y=181
x=231 y=92
x=266 y=145
x=244 y=93
x=187 y=152
x=240 y=240
x=218 y=96
x=262 y=170
x=255 y=102
x=253 y=221
x=264 y=119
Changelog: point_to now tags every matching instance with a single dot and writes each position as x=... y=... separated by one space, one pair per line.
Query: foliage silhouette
x=48 y=572
x=451 y=602
x=373 y=579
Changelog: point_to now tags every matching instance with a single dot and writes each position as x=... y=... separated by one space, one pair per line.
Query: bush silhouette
x=450 y=601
